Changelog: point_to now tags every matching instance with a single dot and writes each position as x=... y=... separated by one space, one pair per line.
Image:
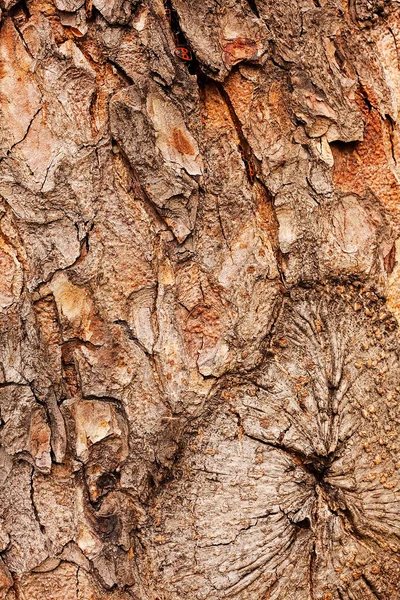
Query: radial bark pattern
x=199 y=299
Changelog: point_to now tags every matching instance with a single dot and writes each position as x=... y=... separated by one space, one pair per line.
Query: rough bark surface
x=199 y=299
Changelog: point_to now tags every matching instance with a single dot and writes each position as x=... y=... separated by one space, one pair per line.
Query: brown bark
x=199 y=300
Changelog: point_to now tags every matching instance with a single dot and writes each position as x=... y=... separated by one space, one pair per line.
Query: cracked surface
x=199 y=300
x=286 y=483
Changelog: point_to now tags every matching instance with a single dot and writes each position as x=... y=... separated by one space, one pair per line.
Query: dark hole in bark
x=18 y=8
x=19 y=14
x=304 y=523
x=107 y=481
x=319 y=467
x=109 y=527
x=344 y=146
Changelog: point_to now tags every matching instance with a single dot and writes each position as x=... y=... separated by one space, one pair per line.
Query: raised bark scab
x=199 y=300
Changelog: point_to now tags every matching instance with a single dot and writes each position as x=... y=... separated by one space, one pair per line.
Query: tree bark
x=199 y=300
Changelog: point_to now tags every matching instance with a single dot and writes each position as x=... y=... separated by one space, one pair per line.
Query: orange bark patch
x=6 y=580
x=240 y=92
x=206 y=320
x=238 y=50
x=180 y=142
x=278 y=101
x=216 y=112
x=364 y=166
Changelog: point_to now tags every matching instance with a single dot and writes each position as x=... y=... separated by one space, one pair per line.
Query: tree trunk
x=199 y=300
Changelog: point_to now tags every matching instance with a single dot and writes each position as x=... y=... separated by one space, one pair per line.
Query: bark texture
x=199 y=300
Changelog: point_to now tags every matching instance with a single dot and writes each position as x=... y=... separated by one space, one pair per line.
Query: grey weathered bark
x=199 y=293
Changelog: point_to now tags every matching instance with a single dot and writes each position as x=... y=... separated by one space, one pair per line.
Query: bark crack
x=77 y=582
x=390 y=129
x=313 y=557
x=396 y=46
x=253 y=7
x=34 y=507
x=244 y=146
x=249 y=162
x=314 y=465
x=372 y=587
x=25 y=134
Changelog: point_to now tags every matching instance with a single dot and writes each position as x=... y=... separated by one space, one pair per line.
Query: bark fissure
x=244 y=146
x=313 y=557
x=372 y=587
x=253 y=7
x=39 y=110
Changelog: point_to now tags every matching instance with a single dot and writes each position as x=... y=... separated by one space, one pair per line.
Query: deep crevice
x=34 y=508
x=125 y=325
x=364 y=95
x=345 y=147
x=317 y=466
x=390 y=129
x=250 y=162
x=313 y=557
x=243 y=147
x=19 y=13
x=77 y=582
x=371 y=586
x=303 y=524
x=253 y=7
x=137 y=187
x=341 y=597
x=183 y=49
x=121 y=72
